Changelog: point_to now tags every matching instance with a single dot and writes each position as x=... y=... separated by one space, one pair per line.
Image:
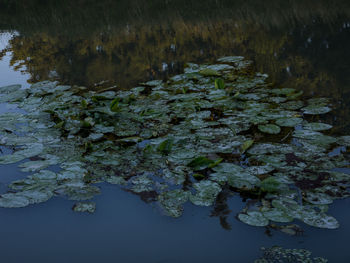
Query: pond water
x=98 y=45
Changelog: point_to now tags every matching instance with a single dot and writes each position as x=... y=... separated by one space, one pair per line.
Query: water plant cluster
x=213 y=128
x=278 y=254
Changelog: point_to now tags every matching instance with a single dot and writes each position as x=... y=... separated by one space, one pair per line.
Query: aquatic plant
x=230 y=129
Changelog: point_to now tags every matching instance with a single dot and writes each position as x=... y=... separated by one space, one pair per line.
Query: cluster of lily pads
x=214 y=127
x=278 y=254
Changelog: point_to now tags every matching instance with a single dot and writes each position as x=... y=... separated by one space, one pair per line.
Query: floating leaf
x=206 y=194
x=277 y=216
x=200 y=163
x=320 y=220
x=318 y=198
x=289 y=122
x=13 y=200
x=219 y=84
x=209 y=72
x=246 y=145
x=317 y=126
x=165 y=146
x=270 y=184
x=172 y=201
x=115 y=105
x=89 y=207
x=316 y=109
x=269 y=128
x=254 y=218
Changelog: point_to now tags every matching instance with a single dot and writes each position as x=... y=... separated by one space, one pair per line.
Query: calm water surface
x=300 y=45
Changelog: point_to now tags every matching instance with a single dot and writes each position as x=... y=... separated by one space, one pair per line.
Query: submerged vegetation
x=214 y=128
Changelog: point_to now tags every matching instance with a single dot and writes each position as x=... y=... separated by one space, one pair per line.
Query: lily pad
x=277 y=215
x=13 y=200
x=89 y=207
x=254 y=218
x=206 y=194
x=172 y=201
x=289 y=122
x=317 y=126
x=269 y=128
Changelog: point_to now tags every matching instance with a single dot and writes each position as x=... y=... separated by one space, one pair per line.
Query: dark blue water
x=125 y=229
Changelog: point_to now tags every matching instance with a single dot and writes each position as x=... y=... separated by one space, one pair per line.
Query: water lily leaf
x=95 y=136
x=36 y=196
x=277 y=216
x=243 y=180
x=172 y=201
x=279 y=254
x=293 y=105
x=318 y=198
x=115 y=105
x=246 y=145
x=142 y=184
x=165 y=146
x=80 y=193
x=284 y=91
x=259 y=170
x=320 y=220
x=31 y=151
x=13 y=200
x=289 y=122
x=254 y=218
x=344 y=140
x=9 y=89
x=228 y=168
x=270 y=184
x=316 y=109
x=33 y=166
x=288 y=206
x=206 y=194
x=269 y=148
x=116 y=180
x=200 y=163
x=269 y=128
x=231 y=59
x=207 y=72
x=317 y=126
x=89 y=207
x=219 y=84
x=314 y=137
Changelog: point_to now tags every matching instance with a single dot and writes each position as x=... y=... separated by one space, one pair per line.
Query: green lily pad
x=200 y=163
x=319 y=220
x=277 y=215
x=206 y=194
x=270 y=184
x=344 y=140
x=209 y=72
x=254 y=218
x=289 y=122
x=13 y=200
x=317 y=126
x=318 y=198
x=269 y=128
x=172 y=201
x=316 y=109
x=231 y=59
x=89 y=207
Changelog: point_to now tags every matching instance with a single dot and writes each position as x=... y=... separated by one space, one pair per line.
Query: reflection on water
x=298 y=46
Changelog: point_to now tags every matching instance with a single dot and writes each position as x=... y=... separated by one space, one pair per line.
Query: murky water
x=304 y=46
